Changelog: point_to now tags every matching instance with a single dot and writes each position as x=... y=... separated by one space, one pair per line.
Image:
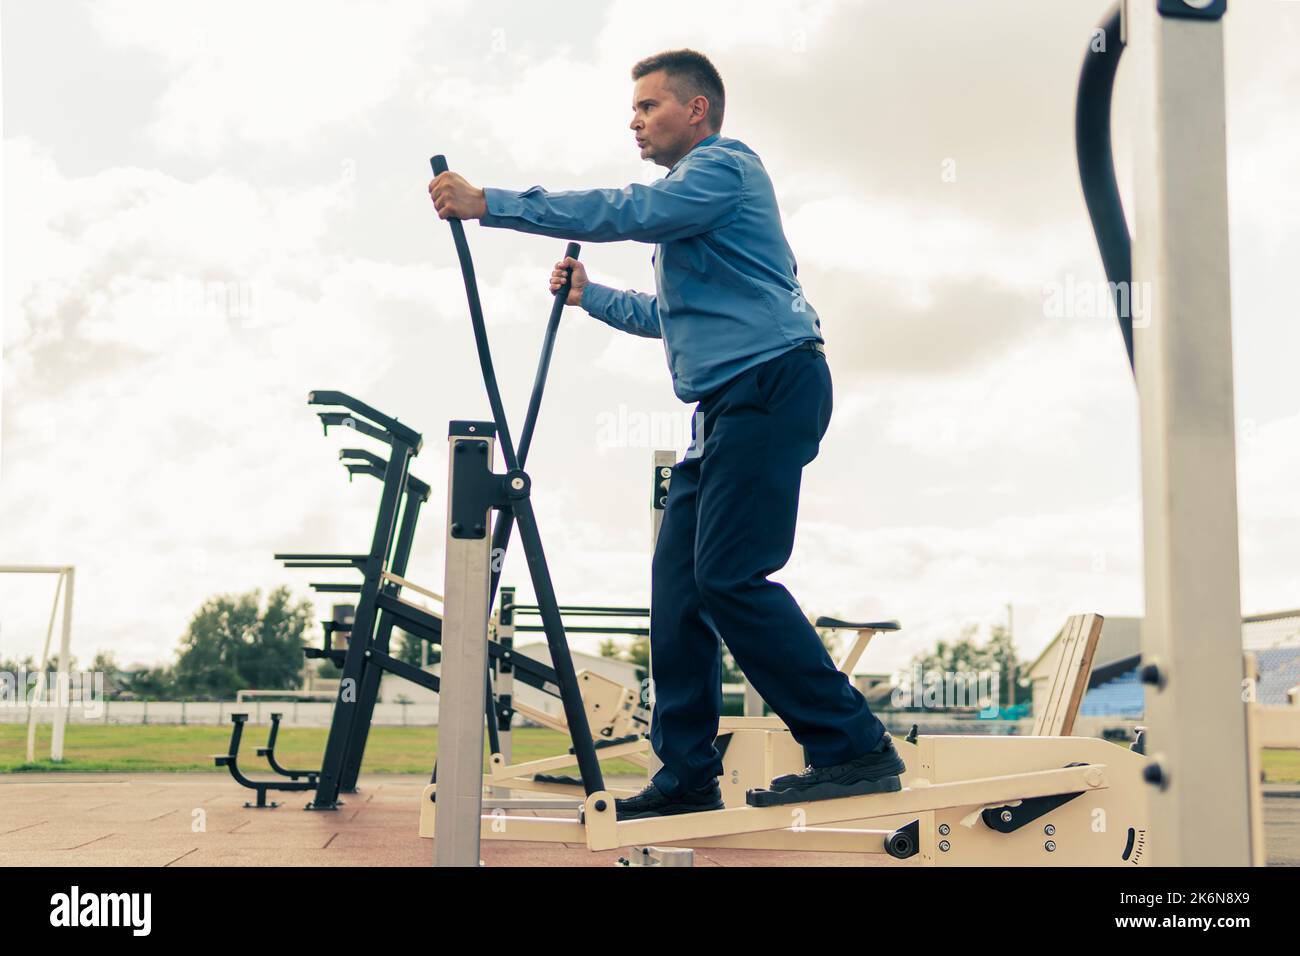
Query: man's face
x=663 y=125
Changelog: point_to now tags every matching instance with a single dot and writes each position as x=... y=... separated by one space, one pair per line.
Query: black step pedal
x=557 y=779
x=825 y=791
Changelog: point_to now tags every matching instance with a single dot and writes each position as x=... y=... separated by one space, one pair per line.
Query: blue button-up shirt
x=726 y=297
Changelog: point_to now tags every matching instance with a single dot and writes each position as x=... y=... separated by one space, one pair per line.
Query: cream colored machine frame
x=941 y=817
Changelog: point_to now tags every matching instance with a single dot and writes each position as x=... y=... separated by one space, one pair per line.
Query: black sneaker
x=653 y=802
x=874 y=772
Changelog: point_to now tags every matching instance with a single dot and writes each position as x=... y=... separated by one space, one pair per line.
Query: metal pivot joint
x=1193 y=9
x=476 y=489
x=661 y=479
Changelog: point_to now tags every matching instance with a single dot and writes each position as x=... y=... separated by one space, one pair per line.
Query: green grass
x=1281 y=766
x=131 y=748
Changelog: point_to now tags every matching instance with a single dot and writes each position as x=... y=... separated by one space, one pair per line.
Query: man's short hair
x=689 y=74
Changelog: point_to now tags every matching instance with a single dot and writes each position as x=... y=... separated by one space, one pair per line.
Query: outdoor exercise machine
x=268 y=752
x=474 y=491
x=390 y=549
x=1194 y=774
x=617 y=719
x=230 y=760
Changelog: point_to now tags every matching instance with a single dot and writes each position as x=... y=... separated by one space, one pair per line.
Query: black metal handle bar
x=376 y=465
x=362 y=455
x=360 y=409
x=1097 y=170
x=317 y=556
x=521 y=508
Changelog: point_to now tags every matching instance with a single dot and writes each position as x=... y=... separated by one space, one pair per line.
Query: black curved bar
x=360 y=409
x=505 y=519
x=1097 y=169
x=269 y=753
x=358 y=464
x=230 y=760
x=521 y=509
x=439 y=165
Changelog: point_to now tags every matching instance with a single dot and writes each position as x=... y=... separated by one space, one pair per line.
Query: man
x=743 y=343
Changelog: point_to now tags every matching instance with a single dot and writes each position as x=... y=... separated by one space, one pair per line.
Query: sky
x=210 y=209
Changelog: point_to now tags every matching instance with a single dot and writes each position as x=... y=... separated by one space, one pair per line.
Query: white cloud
x=979 y=452
x=269 y=73
x=916 y=244
x=936 y=579
x=147 y=431
x=1269 y=511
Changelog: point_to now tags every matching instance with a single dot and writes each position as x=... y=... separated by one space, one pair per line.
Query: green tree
x=232 y=644
x=152 y=683
x=968 y=655
x=963 y=654
x=1002 y=655
x=328 y=670
x=105 y=662
x=408 y=650
x=18 y=665
x=52 y=665
x=636 y=652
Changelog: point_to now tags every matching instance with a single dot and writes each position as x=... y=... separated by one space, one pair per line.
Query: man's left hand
x=454 y=198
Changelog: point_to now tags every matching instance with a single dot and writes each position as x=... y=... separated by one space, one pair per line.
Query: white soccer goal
x=63 y=588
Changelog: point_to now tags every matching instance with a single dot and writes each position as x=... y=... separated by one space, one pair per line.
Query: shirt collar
x=707 y=141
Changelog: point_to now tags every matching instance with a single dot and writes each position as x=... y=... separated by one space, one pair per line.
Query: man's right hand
x=579 y=280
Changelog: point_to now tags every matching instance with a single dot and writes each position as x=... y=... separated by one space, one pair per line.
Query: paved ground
x=198 y=820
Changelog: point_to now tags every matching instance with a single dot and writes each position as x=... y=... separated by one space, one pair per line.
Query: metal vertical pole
x=504 y=686
x=38 y=693
x=342 y=722
x=463 y=678
x=65 y=662
x=414 y=494
x=662 y=478
x=1191 y=635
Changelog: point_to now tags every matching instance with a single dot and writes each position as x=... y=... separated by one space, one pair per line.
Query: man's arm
x=706 y=196
x=634 y=312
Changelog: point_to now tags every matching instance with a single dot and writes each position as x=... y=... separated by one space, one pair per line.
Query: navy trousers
x=729 y=522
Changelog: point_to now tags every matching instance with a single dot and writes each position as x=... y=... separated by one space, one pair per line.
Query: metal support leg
x=346 y=709
x=1191 y=633
x=505 y=680
x=462 y=695
x=660 y=482
x=366 y=699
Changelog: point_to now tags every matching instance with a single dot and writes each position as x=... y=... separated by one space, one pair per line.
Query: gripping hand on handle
x=579 y=277
x=455 y=198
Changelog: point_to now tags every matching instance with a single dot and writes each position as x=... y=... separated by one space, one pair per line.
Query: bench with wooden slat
x=1069 y=682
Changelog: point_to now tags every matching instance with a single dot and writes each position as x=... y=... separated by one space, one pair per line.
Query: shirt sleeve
x=705 y=196
x=634 y=312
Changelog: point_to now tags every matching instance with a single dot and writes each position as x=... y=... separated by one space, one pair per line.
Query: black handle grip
x=439 y=164
x=571 y=251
